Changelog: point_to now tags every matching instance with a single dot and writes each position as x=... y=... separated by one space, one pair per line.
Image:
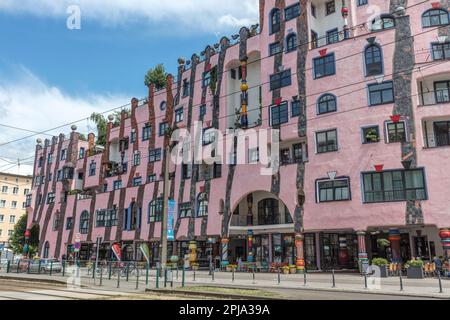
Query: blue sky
x=50 y=75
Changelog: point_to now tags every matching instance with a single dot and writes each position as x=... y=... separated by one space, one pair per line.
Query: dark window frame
x=436 y=97
x=372 y=53
x=389 y=137
x=319 y=149
x=429 y=14
x=321 y=62
x=282 y=115
x=330 y=98
x=382 y=100
x=274 y=48
x=275 y=21
x=334 y=188
x=291 y=42
x=332 y=36
x=442 y=48
x=292 y=12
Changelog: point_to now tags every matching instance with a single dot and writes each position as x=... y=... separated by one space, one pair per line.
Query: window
x=26 y=192
x=332 y=36
x=274 y=48
x=117 y=184
x=28 y=200
x=362 y=2
x=92 y=168
x=50 y=158
x=59 y=175
x=179 y=115
x=10 y=233
x=81 y=153
x=2 y=218
x=136 y=158
x=185 y=210
x=330 y=7
x=146 y=132
x=279 y=114
x=292 y=12
x=370 y=134
x=137 y=181
x=100 y=217
x=151 y=178
x=373 y=60
x=326 y=141
x=69 y=223
x=163 y=127
x=442 y=91
x=186 y=88
x=186 y=171
x=15 y=190
x=291 y=42
x=434 y=17
x=13 y=204
x=162 y=106
x=51 y=197
x=206 y=79
x=12 y=219
x=253 y=155
x=63 y=154
x=297 y=152
x=396 y=132
x=268 y=212
x=333 y=190
x=280 y=80
x=395 y=185
x=326 y=103
x=313 y=10
x=106 y=218
x=56 y=221
x=285 y=156
x=84 y=222
x=295 y=108
x=154 y=155
x=441 y=51
x=383 y=22
x=381 y=93
x=2 y=203
x=202 y=201
x=155 y=211
x=442 y=133
x=202 y=112
x=209 y=136
x=5 y=189
x=40 y=161
x=68 y=173
x=133 y=136
x=324 y=66
x=275 y=21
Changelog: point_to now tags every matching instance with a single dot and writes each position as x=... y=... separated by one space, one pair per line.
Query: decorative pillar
x=343 y=251
x=250 y=232
x=300 y=261
x=244 y=94
x=344 y=12
x=250 y=246
x=394 y=238
x=444 y=234
x=224 y=243
x=192 y=252
x=363 y=259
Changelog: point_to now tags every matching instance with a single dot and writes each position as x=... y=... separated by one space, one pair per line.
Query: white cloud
x=28 y=102
x=187 y=15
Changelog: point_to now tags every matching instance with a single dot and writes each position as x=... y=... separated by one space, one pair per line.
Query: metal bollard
x=253 y=277
x=39 y=266
x=440 y=283
x=18 y=266
x=93 y=271
x=279 y=276
x=28 y=268
x=165 y=278
x=128 y=270
x=183 y=275
x=157 y=278
x=109 y=271
x=137 y=279
x=304 y=278
x=232 y=275
x=334 y=280
x=401 y=280
x=365 y=280
x=146 y=274
x=194 y=275
x=118 y=279
x=101 y=275
x=63 y=268
x=51 y=267
x=8 y=265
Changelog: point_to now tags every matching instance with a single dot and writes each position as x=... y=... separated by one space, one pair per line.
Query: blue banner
x=170 y=219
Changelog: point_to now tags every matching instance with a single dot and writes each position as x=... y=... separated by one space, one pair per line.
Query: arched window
x=155 y=210
x=268 y=212
x=275 y=20
x=383 y=22
x=434 y=17
x=326 y=103
x=373 y=60
x=84 y=222
x=132 y=218
x=46 y=250
x=291 y=42
x=202 y=208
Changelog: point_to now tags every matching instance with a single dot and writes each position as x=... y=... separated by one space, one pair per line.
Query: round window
x=162 y=106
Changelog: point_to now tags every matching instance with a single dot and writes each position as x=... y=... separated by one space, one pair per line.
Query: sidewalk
x=351 y=283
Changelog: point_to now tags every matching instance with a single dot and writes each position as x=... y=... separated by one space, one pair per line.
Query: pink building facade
x=359 y=91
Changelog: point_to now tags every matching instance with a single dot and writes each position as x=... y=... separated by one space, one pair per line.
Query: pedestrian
x=438 y=263
x=63 y=258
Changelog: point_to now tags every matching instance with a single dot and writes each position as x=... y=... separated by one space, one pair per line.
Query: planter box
x=384 y=271
x=293 y=270
x=415 y=273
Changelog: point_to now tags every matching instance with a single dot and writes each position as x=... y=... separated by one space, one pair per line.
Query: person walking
x=438 y=263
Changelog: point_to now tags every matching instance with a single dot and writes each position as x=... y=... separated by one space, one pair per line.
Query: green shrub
x=380 y=262
x=414 y=263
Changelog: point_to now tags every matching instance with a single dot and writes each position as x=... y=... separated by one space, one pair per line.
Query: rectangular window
x=186 y=171
x=362 y=2
x=217 y=170
x=137 y=181
x=206 y=79
x=81 y=153
x=5 y=189
x=274 y=48
x=333 y=190
x=295 y=108
x=136 y=158
x=100 y=217
x=396 y=185
x=202 y=112
x=15 y=190
x=330 y=7
x=133 y=136
x=285 y=156
x=2 y=218
x=441 y=51
x=163 y=127
x=69 y=223
x=59 y=175
x=442 y=133
x=92 y=168
x=117 y=185
x=370 y=134
x=280 y=80
x=186 y=88
x=154 y=155
x=279 y=114
x=396 y=132
x=324 y=66
x=442 y=91
x=209 y=136
x=13 y=204
x=28 y=200
x=381 y=93
x=63 y=154
x=146 y=132
x=2 y=203
x=179 y=115
x=297 y=152
x=151 y=178
x=12 y=219
x=50 y=158
x=155 y=211
x=51 y=198
x=327 y=141
x=313 y=11
x=50 y=177
x=332 y=36
x=26 y=192
x=253 y=155
x=292 y=12
x=10 y=233
x=185 y=210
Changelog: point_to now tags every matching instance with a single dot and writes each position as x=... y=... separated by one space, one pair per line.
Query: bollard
x=128 y=270
x=109 y=271
x=334 y=280
x=440 y=283
x=279 y=276
x=401 y=280
x=146 y=274
x=8 y=264
x=137 y=280
x=183 y=278
x=18 y=266
x=39 y=266
x=165 y=278
x=63 y=267
x=365 y=280
x=177 y=272
x=304 y=278
x=157 y=278
x=28 y=268
x=93 y=272
x=51 y=267
x=118 y=279
x=194 y=275
x=212 y=275
x=232 y=275
x=253 y=271
x=101 y=275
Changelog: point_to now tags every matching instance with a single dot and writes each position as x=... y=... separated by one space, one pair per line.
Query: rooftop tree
x=157 y=77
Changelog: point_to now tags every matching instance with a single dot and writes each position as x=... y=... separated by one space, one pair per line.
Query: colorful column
x=244 y=95
x=300 y=261
x=343 y=251
x=224 y=243
x=444 y=234
x=344 y=12
x=250 y=232
x=363 y=259
x=394 y=238
x=250 y=246
x=192 y=253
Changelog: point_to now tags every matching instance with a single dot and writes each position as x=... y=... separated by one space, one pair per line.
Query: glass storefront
x=339 y=251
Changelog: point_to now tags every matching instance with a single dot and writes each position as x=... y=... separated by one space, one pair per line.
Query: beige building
x=13 y=192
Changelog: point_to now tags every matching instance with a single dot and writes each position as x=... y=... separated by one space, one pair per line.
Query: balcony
x=113 y=169
x=436 y=132
x=434 y=90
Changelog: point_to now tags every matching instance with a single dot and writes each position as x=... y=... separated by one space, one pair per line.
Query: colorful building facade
x=359 y=93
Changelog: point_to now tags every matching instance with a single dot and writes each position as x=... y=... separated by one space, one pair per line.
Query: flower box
x=415 y=272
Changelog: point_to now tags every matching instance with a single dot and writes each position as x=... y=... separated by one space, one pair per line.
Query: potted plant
x=372 y=135
x=285 y=269
x=414 y=269
x=293 y=269
x=382 y=264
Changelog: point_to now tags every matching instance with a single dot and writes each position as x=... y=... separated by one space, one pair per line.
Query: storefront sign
x=145 y=251
x=170 y=219
x=117 y=252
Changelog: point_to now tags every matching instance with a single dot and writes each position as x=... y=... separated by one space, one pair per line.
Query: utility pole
x=165 y=209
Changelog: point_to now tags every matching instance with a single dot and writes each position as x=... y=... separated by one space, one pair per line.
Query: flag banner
x=145 y=251
x=117 y=252
x=170 y=219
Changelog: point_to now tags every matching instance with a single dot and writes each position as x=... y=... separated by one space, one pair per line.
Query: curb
x=212 y=294
x=30 y=279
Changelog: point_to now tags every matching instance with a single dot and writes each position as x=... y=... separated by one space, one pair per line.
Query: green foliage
x=383 y=243
x=17 y=240
x=414 y=263
x=379 y=262
x=102 y=124
x=157 y=77
x=213 y=82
